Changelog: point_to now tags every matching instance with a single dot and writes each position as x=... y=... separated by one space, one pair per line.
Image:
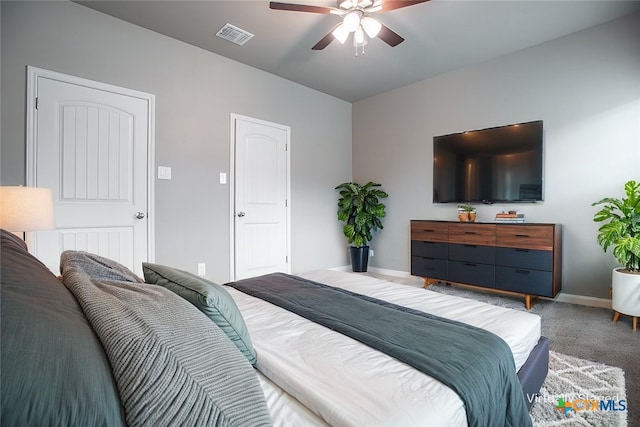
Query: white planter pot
x=625 y=292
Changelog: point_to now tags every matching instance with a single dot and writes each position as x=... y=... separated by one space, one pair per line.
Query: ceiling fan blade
x=388 y=5
x=389 y=36
x=324 y=42
x=299 y=7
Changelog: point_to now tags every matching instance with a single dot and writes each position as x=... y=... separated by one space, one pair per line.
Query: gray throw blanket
x=475 y=363
x=173 y=366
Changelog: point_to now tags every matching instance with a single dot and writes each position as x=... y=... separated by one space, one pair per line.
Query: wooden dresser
x=523 y=259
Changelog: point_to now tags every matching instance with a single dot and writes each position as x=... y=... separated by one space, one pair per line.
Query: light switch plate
x=164 y=172
x=223 y=178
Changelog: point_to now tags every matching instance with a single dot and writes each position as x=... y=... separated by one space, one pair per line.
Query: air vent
x=234 y=34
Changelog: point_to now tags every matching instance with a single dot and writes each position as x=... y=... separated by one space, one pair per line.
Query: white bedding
x=345 y=383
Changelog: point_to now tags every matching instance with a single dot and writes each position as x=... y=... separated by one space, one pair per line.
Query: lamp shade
x=371 y=26
x=26 y=208
x=340 y=33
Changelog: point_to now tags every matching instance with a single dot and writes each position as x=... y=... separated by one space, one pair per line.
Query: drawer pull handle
x=522 y=250
x=470 y=246
x=523 y=271
x=468 y=264
x=429 y=231
x=470 y=232
x=522 y=235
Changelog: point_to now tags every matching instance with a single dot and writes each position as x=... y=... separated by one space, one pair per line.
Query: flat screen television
x=495 y=165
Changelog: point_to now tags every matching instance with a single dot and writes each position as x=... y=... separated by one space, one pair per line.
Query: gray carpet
x=573 y=379
x=574 y=330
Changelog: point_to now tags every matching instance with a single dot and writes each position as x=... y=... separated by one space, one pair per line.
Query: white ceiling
x=441 y=35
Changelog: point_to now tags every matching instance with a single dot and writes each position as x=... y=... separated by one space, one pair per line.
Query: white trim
x=231 y=182
x=583 y=300
x=394 y=273
x=33 y=73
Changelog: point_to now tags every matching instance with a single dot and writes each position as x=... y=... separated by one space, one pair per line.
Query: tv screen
x=494 y=165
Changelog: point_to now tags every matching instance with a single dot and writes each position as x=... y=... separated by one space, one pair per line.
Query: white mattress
x=342 y=382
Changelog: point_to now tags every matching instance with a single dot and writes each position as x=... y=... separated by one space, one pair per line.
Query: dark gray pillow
x=54 y=369
x=210 y=298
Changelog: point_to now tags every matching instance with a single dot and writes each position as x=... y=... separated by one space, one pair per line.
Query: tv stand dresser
x=521 y=259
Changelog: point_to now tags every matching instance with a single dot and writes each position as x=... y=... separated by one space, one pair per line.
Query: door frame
x=33 y=73
x=232 y=189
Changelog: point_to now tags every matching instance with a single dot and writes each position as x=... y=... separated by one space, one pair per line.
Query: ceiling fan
x=356 y=19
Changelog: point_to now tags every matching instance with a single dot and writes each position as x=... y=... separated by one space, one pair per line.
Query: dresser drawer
x=525 y=236
x=430 y=231
x=432 y=268
x=525 y=258
x=473 y=253
x=472 y=273
x=532 y=282
x=473 y=234
x=430 y=249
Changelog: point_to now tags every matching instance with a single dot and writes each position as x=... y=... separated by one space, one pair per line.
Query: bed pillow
x=210 y=298
x=54 y=369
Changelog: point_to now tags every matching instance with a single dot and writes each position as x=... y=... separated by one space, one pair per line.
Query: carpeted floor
x=575 y=330
x=575 y=380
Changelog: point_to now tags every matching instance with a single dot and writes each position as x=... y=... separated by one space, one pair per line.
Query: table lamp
x=25 y=209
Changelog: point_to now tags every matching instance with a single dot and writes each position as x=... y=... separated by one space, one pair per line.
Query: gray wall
x=586 y=88
x=196 y=91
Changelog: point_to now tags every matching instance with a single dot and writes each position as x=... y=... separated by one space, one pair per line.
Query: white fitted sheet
x=345 y=383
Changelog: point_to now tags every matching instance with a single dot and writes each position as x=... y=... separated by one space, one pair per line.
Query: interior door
x=91 y=146
x=261 y=202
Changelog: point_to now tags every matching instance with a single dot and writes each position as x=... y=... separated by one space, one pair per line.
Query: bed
x=99 y=346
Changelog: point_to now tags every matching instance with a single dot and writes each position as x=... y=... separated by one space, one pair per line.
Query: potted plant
x=466 y=213
x=621 y=230
x=361 y=211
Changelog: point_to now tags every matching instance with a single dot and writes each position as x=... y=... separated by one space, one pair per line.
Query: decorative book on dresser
x=523 y=259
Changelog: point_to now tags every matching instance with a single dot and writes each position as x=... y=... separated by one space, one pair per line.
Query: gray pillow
x=210 y=298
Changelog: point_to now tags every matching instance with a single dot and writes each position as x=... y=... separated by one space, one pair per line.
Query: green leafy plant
x=466 y=208
x=361 y=211
x=622 y=227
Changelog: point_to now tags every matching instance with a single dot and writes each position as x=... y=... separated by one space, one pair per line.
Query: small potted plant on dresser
x=361 y=211
x=466 y=213
x=621 y=230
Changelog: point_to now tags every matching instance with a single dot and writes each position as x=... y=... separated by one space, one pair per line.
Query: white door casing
x=92 y=144
x=260 y=194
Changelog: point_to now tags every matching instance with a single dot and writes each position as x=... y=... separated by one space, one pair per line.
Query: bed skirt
x=534 y=371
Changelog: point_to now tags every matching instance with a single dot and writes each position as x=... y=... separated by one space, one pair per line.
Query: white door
x=91 y=146
x=261 y=198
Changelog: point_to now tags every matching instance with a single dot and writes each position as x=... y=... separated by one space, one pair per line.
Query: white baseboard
x=394 y=273
x=583 y=300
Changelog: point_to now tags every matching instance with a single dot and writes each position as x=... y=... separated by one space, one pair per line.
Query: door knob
x=240 y=214
x=139 y=215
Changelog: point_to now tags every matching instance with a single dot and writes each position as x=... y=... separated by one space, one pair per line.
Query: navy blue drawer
x=532 y=282
x=432 y=268
x=472 y=273
x=430 y=249
x=525 y=258
x=473 y=253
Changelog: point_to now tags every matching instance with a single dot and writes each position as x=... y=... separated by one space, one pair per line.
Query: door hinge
x=37 y=103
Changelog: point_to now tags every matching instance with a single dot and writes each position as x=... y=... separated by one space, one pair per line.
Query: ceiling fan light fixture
x=351 y=21
x=371 y=26
x=340 y=33
x=359 y=39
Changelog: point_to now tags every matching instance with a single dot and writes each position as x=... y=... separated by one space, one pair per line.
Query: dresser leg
x=527 y=302
x=635 y=323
